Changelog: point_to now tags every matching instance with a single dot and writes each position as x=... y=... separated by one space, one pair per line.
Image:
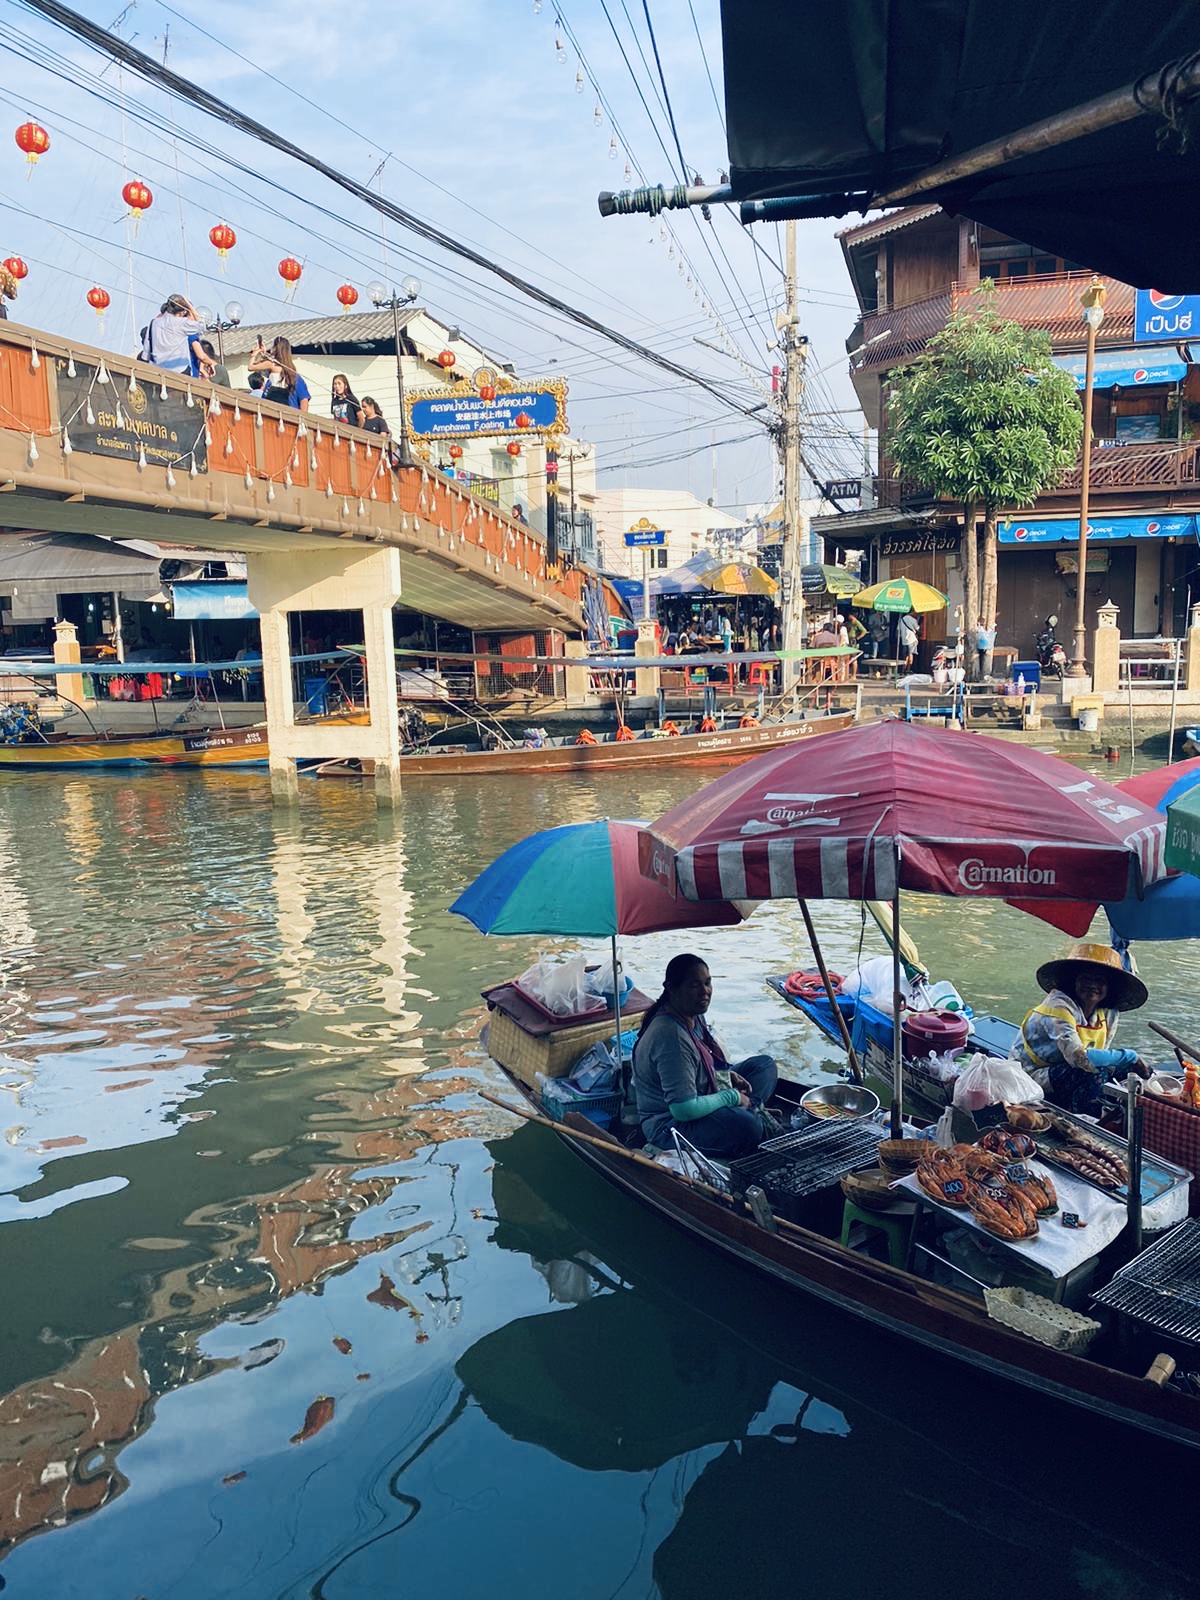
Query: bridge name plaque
x=103 y=416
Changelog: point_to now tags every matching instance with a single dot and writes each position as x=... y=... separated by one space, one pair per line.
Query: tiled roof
x=308 y=335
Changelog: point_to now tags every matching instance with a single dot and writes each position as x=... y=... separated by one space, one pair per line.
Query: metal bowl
x=847 y=1100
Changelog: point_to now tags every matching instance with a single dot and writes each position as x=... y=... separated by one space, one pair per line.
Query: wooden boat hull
x=894 y=1301
x=723 y=748
x=211 y=747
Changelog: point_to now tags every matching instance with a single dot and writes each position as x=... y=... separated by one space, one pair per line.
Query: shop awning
x=214 y=601
x=1152 y=363
x=1065 y=530
x=892 y=90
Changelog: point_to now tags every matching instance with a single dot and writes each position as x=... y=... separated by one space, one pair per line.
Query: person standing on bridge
x=172 y=339
x=282 y=383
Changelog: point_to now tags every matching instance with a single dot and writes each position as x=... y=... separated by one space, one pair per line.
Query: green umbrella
x=1183 y=833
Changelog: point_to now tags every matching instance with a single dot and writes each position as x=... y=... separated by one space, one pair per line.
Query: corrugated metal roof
x=69 y=555
x=865 y=232
x=351 y=327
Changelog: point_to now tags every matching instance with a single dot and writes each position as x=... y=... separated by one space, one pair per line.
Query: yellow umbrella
x=900 y=594
x=735 y=577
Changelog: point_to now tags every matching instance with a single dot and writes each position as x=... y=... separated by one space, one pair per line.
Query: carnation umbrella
x=583 y=879
x=868 y=812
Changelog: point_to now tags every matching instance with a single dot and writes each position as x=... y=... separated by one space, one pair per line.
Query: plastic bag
x=561 y=986
x=873 y=982
x=987 y=1081
x=595 y=1071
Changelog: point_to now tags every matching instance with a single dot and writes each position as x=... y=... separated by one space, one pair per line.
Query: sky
x=497 y=121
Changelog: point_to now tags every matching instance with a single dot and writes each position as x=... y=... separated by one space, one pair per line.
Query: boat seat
x=896 y=1225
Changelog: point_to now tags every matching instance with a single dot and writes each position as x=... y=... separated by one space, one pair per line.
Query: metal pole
x=855 y=1069
x=1093 y=311
x=795 y=350
x=1134 y=1202
x=1178 y=662
x=897 y=1118
x=395 y=305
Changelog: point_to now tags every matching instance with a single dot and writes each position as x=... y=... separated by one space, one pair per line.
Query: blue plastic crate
x=602 y=1109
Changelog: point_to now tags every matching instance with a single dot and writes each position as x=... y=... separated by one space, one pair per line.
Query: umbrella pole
x=897 y=1002
x=855 y=1069
x=617 y=1006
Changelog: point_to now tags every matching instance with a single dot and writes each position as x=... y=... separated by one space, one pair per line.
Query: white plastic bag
x=560 y=985
x=988 y=1081
x=873 y=982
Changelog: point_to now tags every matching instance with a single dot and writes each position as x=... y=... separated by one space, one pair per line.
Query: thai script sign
x=924 y=542
x=1165 y=316
x=461 y=412
x=110 y=419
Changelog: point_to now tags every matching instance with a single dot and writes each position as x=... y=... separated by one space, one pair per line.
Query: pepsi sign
x=1160 y=316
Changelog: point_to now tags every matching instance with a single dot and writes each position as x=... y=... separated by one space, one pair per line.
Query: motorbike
x=1050 y=653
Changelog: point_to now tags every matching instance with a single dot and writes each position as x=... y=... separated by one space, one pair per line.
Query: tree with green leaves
x=983 y=417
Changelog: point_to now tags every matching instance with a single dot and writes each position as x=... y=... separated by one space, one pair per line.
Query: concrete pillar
x=646 y=678
x=379 y=637
x=68 y=685
x=337 y=577
x=577 y=680
x=1191 y=680
x=1106 y=651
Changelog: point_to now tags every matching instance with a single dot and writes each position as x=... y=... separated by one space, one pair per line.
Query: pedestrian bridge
x=102 y=444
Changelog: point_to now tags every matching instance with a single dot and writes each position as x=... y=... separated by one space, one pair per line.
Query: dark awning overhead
x=893 y=87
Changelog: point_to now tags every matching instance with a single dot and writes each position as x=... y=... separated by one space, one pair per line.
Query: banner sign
x=460 y=412
x=645 y=536
x=1127 y=369
x=921 y=542
x=213 y=601
x=843 y=489
x=1165 y=316
x=1166 y=525
x=108 y=419
x=483 y=488
x=630 y=590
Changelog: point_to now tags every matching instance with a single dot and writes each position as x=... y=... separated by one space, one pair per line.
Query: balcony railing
x=1050 y=302
x=1136 y=466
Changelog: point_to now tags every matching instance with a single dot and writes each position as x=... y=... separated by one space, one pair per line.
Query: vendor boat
x=1134 y=1358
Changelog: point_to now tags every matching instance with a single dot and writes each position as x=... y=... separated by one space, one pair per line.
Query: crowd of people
x=175 y=339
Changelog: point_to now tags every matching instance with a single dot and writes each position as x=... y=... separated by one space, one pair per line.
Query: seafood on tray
x=1082 y=1152
x=1027 y=1119
x=1009 y=1143
x=1003 y=1209
x=943 y=1176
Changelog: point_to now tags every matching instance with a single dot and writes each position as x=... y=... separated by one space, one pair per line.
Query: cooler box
x=1031 y=671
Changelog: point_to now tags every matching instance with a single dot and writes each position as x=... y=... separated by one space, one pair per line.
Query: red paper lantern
x=99 y=300
x=17 y=267
x=137 y=197
x=487 y=391
x=33 y=139
x=347 y=295
x=456 y=452
x=290 y=269
x=222 y=238
x=514 y=449
x=446 y=359
x=523 y=419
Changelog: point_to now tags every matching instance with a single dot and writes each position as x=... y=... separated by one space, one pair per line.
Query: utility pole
x=795 y=524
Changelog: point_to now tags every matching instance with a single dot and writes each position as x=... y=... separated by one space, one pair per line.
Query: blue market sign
x=1165 y=316
x=1064 y=530
x=1128 y=369
x=645 y=536
x=461 y=412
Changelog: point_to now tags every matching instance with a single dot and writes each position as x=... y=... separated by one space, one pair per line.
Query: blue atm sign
x=1159 y=316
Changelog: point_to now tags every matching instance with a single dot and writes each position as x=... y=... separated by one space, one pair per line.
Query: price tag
x=1072 y=1219
x=1017 y=1173
x=953 y=1186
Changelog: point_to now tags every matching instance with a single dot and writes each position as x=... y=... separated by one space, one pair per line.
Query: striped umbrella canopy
x=836 y=581
x=737 y=577
x=900 y=594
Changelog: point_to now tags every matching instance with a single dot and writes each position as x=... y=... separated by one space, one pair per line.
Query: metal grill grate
x=802 y=1162
x=1161 y=1288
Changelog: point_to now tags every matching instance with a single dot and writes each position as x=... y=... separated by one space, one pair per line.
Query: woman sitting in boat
x=1066 y=1041
x=682 y=1079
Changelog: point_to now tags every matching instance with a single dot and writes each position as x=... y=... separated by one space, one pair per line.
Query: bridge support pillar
x=339 y=578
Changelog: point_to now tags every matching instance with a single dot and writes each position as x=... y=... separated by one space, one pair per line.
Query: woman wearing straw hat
x=1066 y=1041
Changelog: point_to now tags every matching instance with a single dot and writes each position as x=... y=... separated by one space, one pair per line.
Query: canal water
x=289 y=1311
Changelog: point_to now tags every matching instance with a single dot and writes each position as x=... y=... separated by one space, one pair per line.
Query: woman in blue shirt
x=282 y=383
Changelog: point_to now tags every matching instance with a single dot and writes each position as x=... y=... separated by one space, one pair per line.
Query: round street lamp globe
x=376 y=293
x=234 y=312
x=204 y=314
x=411 y=287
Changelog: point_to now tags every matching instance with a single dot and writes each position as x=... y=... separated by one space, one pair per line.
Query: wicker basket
x=1040 y=1319
x=899 y=1157
x=552 y=1054
x=872 y=1190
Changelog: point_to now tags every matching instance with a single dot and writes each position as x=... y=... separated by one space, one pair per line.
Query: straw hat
x=1126 y=991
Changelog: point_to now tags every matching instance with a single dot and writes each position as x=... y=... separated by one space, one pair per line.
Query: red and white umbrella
x=861 y=814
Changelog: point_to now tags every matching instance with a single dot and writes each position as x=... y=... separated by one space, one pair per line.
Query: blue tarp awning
x=1151 y=363
x=1065 y=530
x=214 y=601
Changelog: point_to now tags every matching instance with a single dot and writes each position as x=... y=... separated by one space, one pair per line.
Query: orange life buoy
x=671 y=728
x=707 y=725
x=809 y=985
x=585 y=736
x=749 y=722
x=625 y=733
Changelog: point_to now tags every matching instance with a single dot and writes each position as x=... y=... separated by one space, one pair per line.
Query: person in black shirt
x=343 y=403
